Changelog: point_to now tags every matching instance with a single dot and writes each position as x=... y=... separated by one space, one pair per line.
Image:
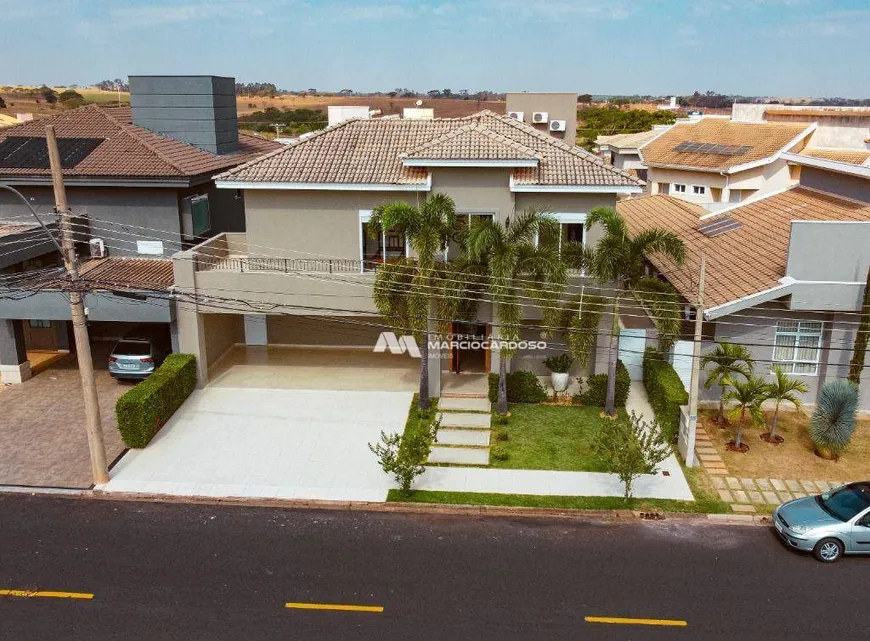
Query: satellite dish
x=419 y=103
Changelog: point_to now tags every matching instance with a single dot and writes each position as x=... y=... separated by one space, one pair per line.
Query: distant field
x=444 y=107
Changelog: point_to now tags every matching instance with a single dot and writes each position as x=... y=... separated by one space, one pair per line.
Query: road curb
x=598 y=516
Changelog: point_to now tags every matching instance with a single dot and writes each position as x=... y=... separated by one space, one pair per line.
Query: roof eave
x=574 y=189
x=751 y=300
x=862 y=171
x=433 y=162
x=242 y=184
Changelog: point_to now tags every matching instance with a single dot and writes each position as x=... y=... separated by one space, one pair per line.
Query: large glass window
x=797 y=346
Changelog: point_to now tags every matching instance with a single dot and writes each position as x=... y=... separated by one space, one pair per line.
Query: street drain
x=651 y=516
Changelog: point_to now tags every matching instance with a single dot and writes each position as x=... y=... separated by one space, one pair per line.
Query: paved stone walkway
x=707 y=454
x=464 y=435
x=742 y=493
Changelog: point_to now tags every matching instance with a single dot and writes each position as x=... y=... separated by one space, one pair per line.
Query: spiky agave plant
x=833 y=421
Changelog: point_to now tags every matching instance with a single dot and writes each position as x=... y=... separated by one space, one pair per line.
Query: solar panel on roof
x=712 y=148
x=719 y=226
x=31 y=152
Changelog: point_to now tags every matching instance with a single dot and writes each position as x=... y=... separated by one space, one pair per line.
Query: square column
x=14 y=366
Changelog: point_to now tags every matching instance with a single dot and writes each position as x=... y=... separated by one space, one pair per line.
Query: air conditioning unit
x=540 y=117
x=558 y=125
x=97 y=247
x=517 y=115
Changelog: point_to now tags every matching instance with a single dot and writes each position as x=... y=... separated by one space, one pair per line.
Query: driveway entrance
x=269 y=443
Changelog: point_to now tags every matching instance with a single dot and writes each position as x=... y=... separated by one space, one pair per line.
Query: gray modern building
x=139 y=183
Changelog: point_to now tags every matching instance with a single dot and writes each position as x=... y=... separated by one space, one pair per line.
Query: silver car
x=828 y=525
x=139 y=353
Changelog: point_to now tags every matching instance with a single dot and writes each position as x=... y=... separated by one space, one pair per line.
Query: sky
x=788 y=48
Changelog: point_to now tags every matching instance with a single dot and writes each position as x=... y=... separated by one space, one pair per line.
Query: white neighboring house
x=623 y=150
x=716 y=162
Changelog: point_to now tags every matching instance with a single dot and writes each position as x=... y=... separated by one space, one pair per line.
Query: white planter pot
x=560 y=381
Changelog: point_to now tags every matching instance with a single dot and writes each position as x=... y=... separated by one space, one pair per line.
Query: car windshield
x=133 y=348
x=847 y=502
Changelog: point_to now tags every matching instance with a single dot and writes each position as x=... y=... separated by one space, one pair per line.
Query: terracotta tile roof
x=370 y=152
x=830 y=113
x=628 y=141
x=739 y=262
x=851 y=156
x=764 y=139
x=12 y=229
x=115 y=273
x=472 y=142
x=129 y=151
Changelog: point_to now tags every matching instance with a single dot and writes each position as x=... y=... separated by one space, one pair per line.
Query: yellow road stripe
x=47 y=594
x=619 y=620
x=334 y=606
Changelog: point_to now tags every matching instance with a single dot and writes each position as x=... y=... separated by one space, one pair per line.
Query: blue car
x=829 y=525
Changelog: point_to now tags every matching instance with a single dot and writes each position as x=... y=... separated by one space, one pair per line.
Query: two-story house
x=139 y=183
x=302 y=273
x=716 y=161
x=785 y=274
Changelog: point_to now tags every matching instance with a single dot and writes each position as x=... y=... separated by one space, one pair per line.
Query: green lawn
x=550 y=437
x=705 y=502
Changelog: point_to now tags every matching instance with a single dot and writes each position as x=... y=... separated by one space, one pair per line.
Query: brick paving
x=42 y=426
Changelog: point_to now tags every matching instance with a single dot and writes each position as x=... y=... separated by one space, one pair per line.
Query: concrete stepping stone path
x=463 y=437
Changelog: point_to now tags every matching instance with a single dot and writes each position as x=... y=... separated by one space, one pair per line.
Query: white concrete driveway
x=268 y=443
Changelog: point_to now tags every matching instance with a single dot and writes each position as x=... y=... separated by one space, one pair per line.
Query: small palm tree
x=747 y=397
x=729 y=361
x=427 y=229
x=783 y=390
x=621 y=261
x=515 y=265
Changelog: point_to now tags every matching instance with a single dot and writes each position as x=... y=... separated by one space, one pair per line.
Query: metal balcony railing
x=281 y=265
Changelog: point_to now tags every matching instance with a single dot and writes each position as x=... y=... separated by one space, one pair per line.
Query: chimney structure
x=199 y=110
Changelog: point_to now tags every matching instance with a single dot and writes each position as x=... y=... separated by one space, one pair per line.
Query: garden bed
x=549 y=437
x=794 y=458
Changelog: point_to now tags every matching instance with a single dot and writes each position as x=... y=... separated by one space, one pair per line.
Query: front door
x=40 y=335
x=468 y=355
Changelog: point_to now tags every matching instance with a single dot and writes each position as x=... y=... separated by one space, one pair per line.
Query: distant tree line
x=610 y=120
x=261 y=89
x=290 y=122
x=112 y=85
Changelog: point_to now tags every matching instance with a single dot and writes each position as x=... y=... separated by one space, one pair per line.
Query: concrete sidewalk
x=555 y=483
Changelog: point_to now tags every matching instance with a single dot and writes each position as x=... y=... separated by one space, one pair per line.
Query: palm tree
x=514 y=264
x=621 y=260
x=747 y=396
x=404 y=289
x=729 y=360
x=783 y=390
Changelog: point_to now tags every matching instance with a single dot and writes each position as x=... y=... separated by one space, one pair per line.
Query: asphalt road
x=170 y=571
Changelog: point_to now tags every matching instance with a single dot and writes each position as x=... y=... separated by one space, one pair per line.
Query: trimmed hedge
x=596 y=394
x=143 y=410
x=665 y=391
x=522 y=387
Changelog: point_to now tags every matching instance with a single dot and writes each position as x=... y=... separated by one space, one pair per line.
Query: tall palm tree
x=515 y=265
x=405 y=289
x=747 y=396
x=783 y=390
x=620 y=260
x=729 y=360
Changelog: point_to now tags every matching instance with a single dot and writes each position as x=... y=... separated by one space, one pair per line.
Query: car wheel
x=828 y=550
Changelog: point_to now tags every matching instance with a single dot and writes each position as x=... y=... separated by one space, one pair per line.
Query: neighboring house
x=554 y=113
x=303 y=272
x=8 y=121
x=715 y=162
x=836 y=127
x=623 y=150
x=137 y=197
x=785 y=274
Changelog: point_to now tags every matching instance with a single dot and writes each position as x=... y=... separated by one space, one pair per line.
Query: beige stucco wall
x=222 y=331
x=558 y=105
x=476 y=189
x=344 y=331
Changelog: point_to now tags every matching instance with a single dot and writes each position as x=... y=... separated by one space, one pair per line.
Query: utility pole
x=80 y=328
x=696 y=369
